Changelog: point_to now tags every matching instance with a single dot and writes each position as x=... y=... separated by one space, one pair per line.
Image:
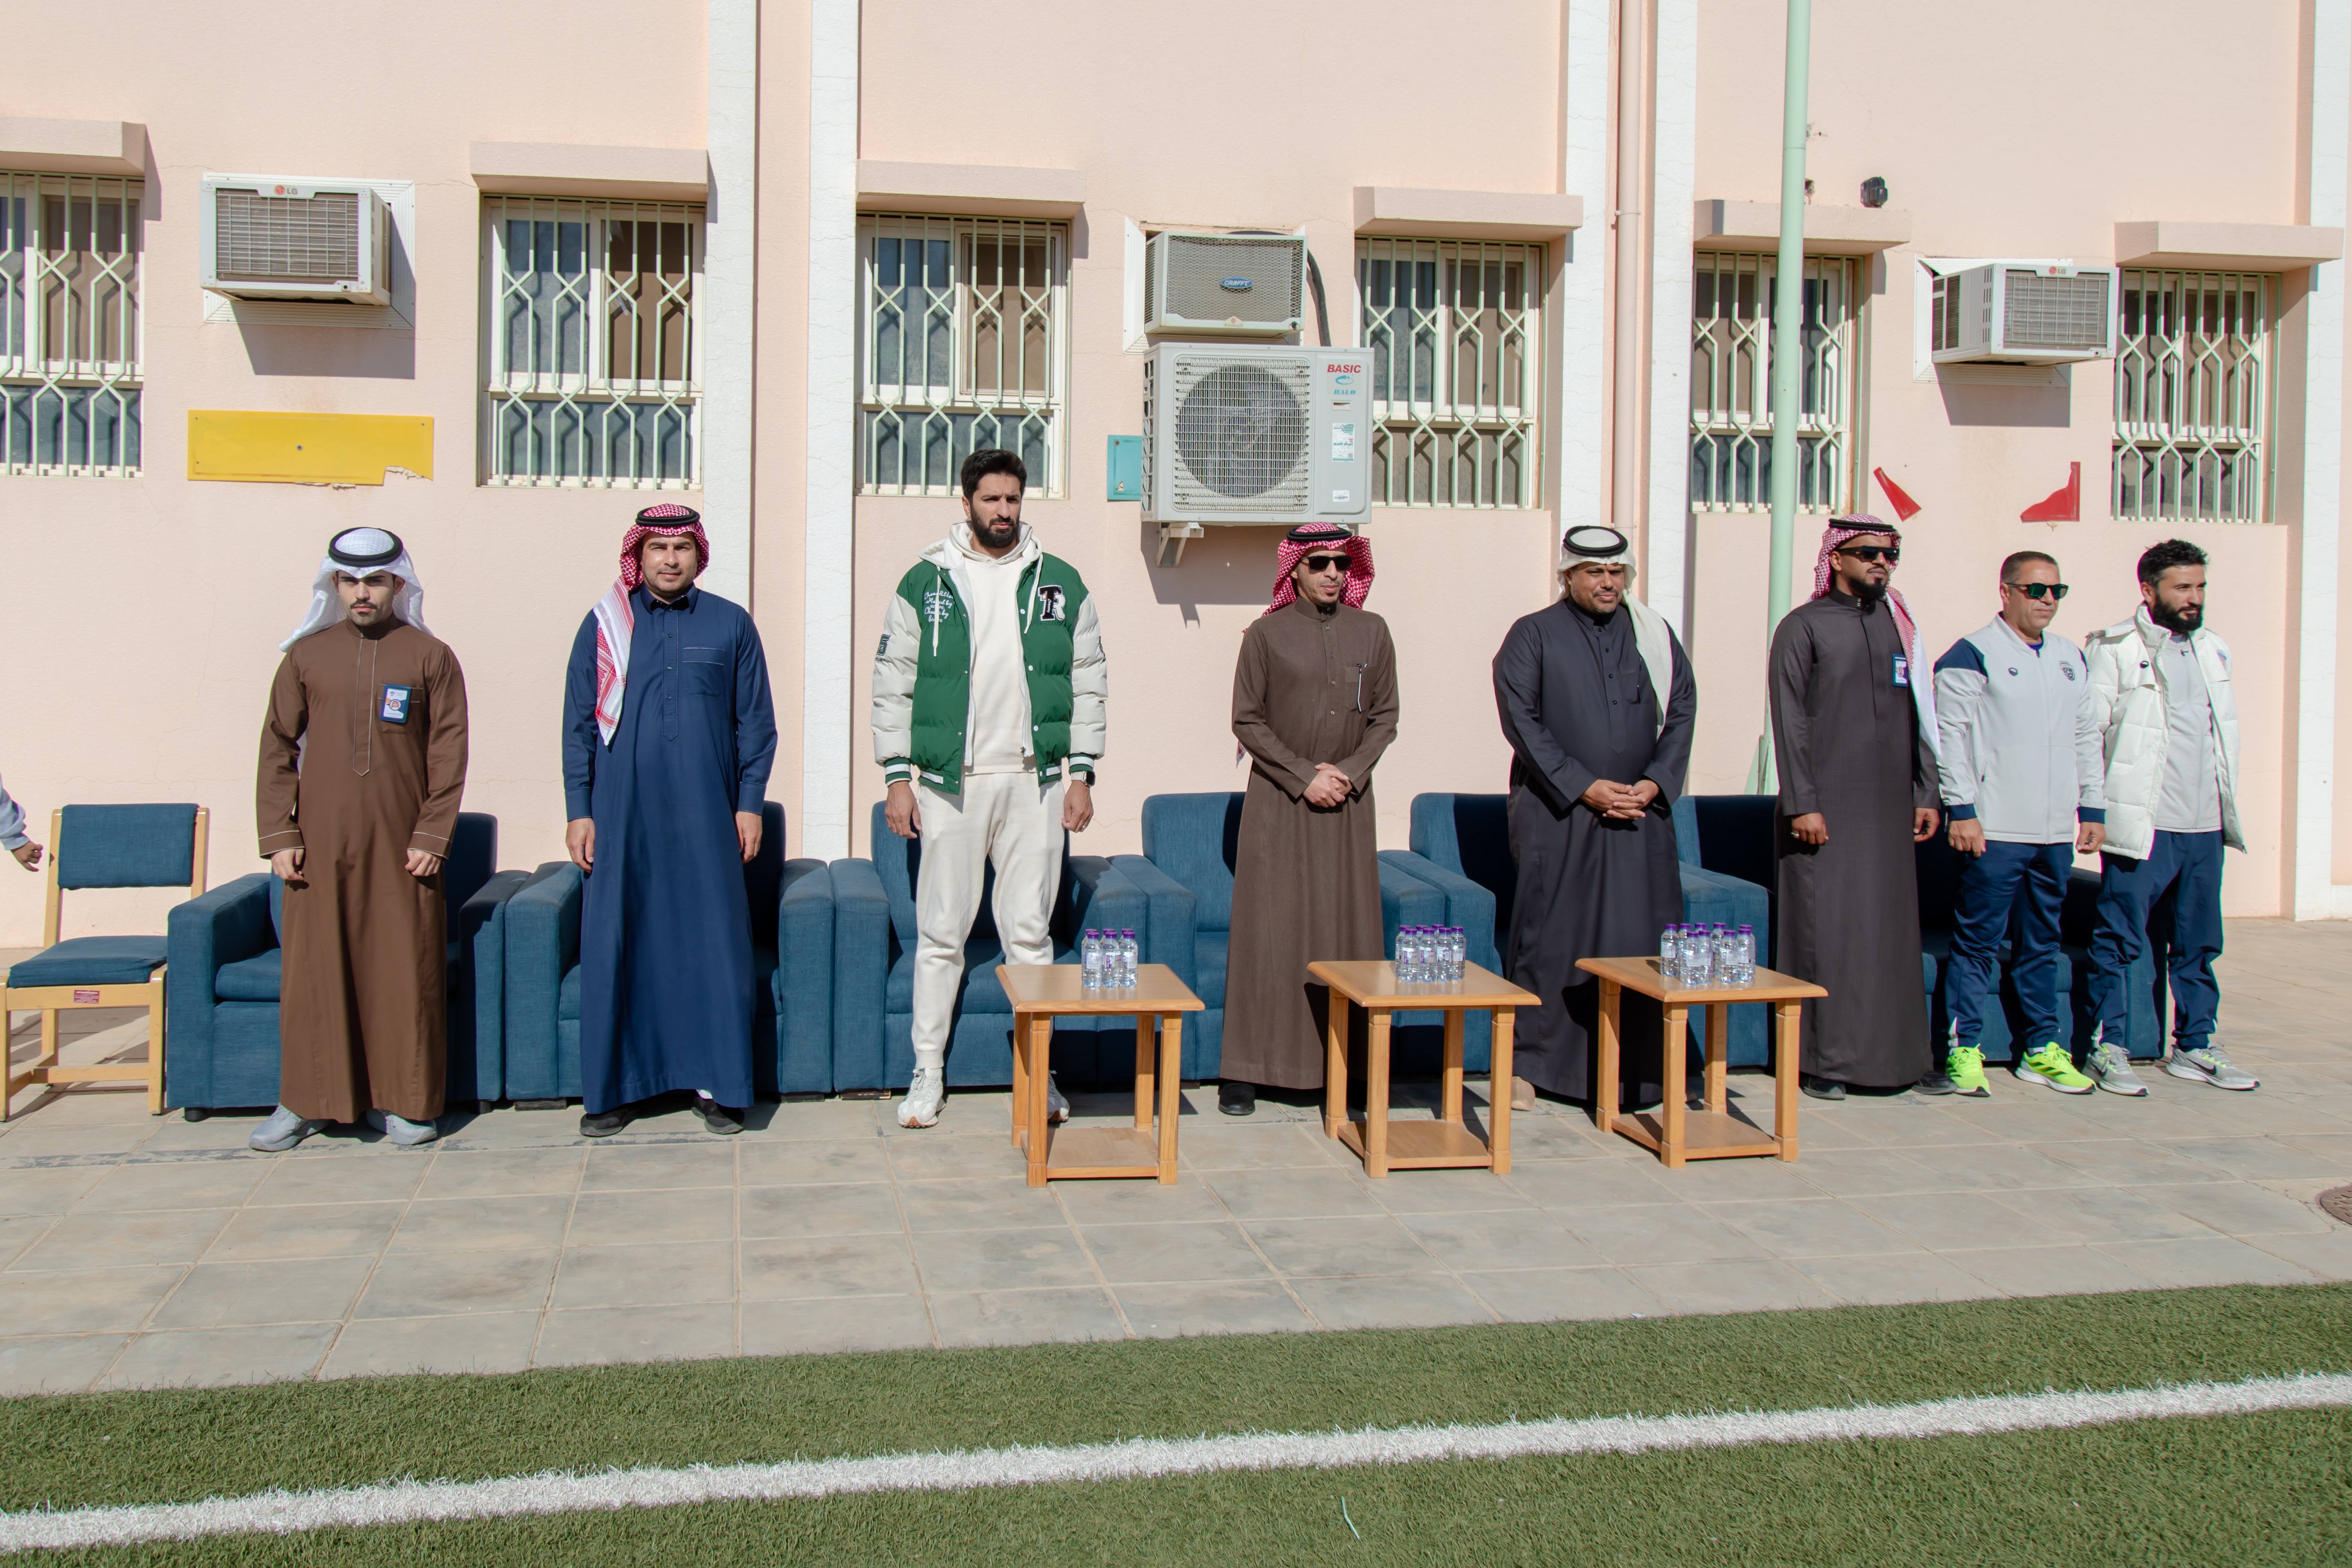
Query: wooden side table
x=1677 y=1132
x=1417 y=1145
x=1042 y=992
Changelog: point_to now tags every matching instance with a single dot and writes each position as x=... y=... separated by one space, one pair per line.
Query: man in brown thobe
x=1315 y=704
x=362 y=762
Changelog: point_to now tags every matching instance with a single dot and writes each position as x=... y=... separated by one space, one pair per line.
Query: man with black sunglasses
x=2024 y=787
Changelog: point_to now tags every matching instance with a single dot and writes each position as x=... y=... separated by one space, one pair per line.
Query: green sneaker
x=2053 y=1065
x=1964 y=1065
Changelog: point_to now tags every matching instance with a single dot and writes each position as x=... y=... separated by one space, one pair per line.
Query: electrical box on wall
x=1255 y=434
x=313 y=241
x=2008 y=312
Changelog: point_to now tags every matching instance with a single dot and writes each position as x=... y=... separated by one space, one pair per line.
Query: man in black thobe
x=1854 y=724
x=1596 y=701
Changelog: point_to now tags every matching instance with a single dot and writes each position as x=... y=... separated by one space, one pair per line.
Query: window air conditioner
x=2025 y=313
x=283 y=240
x=1226 y=284
x=1246 y=433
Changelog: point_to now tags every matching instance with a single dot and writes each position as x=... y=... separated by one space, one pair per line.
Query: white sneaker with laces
x=400 y=1130
x=1058 y=1109
x=924 y=1097
x=2113 y=1068
x=2208 y=1065
x=281 y=1131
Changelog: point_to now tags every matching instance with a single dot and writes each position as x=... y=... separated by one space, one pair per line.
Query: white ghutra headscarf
x=357 y=553
x=1607 y=547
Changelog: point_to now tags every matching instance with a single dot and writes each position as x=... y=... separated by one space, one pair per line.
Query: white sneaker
x=400 y=1130
x=2113 y=1068
x=924 y=1097
x=1058 y=1109
x=2208 y=1065
x=281 y=1131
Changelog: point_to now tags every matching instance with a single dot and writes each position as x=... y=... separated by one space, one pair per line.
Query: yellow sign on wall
x=307 y=449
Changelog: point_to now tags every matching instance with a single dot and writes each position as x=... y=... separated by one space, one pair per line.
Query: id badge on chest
x=393 y=709
x=1902 y=670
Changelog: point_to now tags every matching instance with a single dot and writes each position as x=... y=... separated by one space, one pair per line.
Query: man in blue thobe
x=668 y=734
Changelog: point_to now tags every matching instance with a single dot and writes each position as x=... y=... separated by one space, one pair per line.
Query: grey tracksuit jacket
x=2020 y=736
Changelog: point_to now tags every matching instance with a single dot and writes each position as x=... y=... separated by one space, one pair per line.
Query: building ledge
x=984 y=190
x=1467 y=215
x=569 y=169
x=1720 y=224
x=2226 y=247
x=74 y=146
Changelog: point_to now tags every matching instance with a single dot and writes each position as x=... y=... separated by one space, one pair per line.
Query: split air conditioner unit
x=1225 y=285
x=2023 y=313
x=284 y=240
x=1255 y=434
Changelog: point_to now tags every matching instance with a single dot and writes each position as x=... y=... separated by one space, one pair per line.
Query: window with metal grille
x=1456 y=329
x=1732 y=383
x=2192 y=395
x=962 y=348
x=69 y=248
x=595 y=359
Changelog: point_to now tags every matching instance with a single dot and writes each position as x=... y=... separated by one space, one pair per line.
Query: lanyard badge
x=1902 y=670
x=394 y=709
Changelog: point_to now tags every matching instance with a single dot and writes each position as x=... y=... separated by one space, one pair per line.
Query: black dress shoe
x=1936 y=1083
x=1822 y=1088
x=718 y=1117
x=1235 y=1097
x=604 y=1123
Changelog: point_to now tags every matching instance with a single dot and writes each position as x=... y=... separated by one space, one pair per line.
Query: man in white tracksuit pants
x=988 y=694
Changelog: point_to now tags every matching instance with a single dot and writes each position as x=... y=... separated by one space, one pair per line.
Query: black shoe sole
x=586 y=1132
x=721 y=1126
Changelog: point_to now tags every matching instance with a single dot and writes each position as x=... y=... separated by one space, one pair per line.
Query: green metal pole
x=1788 y=357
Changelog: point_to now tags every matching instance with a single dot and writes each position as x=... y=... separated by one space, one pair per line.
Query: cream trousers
x=1015 y=822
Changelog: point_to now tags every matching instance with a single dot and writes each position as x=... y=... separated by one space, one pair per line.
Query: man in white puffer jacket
x=2168 y=728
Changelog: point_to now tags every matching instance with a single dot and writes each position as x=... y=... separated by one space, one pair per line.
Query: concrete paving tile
x=1172 y=1254
x=2105 y=1213
x=625 y=1218
x=1559 y=1137
x=388 y=1347
x=208 y=1358
x=2257 y=1159
x=509 y=1131
x=19 y=1232
x=1392 y=1301
x=1737 y=1181
x=1001 y=1203
x=339 y=1181
x=105 y=1239
x=939 y=1157
x=679 y=1273
x=820 y=1120
x=2240 y=1208
x=845 y=1209
x=2328 y=1254
x=89 y=1106
x=2050 y=1270
x=1751 y=1286
x=659 y=1166
x=1574 y=1185
x=87 y=1300
x=1891 y=1279
x=506 y=1174
x=1946 y=1222
x=323 y=1230
x=2334 y=1151
x=795 y=1267
x=800 y=1163
x=844 y=1323
x=1140 y=1203
x=50 y=1190
x=443 y=1225
x=1810 y=1227
x=1559 y=1295
x=26 y=1139
x=1677 y=1234
x=434 y=1284
x=1996 y=1167
x=2268 y=1113
x=994 y=1261
x=1444 y=1192
x=1024 y=1317
x=213 y=1135
x=592 y=1337
x=1867 y=1172
x=180 y=1184
x=1269 y=1145
x=1302 y=1248
x=56 y=1364
x=2220 y=1261
x=244 y=1295
x=1255 y=1195
x=1904 y=1122
x=2023 y=1113
x=1223 y=1307
x=2128 y=1163
x=1534 y=1239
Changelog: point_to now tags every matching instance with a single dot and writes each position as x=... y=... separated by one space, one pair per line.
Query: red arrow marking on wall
x=2064 y=504
x=1905 y=509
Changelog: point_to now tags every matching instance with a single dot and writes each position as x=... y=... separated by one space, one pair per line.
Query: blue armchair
x=874 y=994
x=222 y=988
x=792 y=959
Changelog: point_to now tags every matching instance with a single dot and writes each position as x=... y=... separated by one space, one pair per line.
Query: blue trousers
x=2127 y=891
x=2030 y=879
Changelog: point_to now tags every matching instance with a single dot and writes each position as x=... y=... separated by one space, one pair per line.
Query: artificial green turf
x=2243 y=1491
x=169 y=1445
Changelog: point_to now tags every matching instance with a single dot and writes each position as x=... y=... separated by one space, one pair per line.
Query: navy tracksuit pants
x=2031 y=880
x=2127 y=891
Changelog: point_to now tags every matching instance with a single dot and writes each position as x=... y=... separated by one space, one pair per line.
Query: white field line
x=402 y=1502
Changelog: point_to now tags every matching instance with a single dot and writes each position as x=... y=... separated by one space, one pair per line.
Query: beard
x=996 y=535
x=2179 y=622
x=1870 y=592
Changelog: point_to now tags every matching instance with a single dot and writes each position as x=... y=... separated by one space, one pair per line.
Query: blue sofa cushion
x=567 y=998
x=983 y=991
x=127 y=846
x=92 y=960
x=251 y=979
x=1209 y=950
x=1193 y=838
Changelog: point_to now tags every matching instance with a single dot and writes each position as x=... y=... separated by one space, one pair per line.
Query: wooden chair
x=104 y=847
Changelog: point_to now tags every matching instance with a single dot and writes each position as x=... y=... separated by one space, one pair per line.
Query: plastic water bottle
x=1407 y=949
x=1698 y=962
x=1416 y=954
x=1670 y=954
x=1090 y=959
x=1456 y=951
x=1743 y=956
x=1128 y=954
x=1718 y=950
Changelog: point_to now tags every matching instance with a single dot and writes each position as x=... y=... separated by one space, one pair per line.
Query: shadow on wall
x=388 y=355
x=2020 y=407
x=1225 y=566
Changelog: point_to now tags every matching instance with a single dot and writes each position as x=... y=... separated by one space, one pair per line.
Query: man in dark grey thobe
x=1854 y=726
x=1597 y=703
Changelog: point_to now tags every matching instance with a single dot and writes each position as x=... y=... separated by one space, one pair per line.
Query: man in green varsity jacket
x=988 y=690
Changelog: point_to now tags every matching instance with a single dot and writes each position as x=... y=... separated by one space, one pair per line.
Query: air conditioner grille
x=2055 y=313
x=287 y=239
x=1199 y=266
x=1241 y=435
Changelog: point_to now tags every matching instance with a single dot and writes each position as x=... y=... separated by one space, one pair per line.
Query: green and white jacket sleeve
x=1089 y=692
x=893 y=711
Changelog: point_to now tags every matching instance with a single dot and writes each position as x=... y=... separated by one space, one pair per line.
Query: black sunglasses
x=2039 y=590
x=1326 y=562
x=1872 y=551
